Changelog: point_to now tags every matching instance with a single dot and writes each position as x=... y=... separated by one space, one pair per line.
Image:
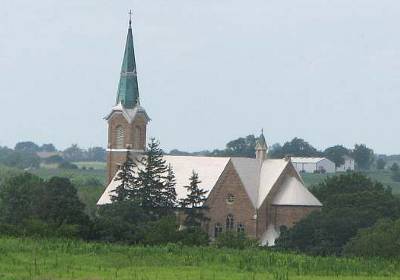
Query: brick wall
x=289 y=215
x=135 y=138
x=219 y=208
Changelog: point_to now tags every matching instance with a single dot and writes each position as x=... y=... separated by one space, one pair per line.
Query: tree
x=19 y=197
x=296 y=147
x=150 y=178
x=351 y=202
x=380 y=164
x=127 y=188
x=380 y=240
x=60 y=203
x=363 y=156
x=21 y=160
x=242 y=147
x=31 y=205
x=74 y=153
x=336 y=154
x=121 y=221
x=395 y=167
x=27 y=147
x=48 y=148
x=169 y=191
x=275 y=151
x=96 y=154
x=193 y=204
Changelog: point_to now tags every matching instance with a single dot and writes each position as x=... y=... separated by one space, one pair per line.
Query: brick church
x=252 y=195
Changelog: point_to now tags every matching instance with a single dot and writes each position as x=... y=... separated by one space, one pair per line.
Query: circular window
x=230 y=198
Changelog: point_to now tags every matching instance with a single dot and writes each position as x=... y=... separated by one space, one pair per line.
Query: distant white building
x=347 y=165
x=313 y=165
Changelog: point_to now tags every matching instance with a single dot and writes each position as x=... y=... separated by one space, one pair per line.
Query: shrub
x=193 y=237
x=54 y=159
x=234 y=240
x=381 y=240
x=163 y=231
x=67 y=165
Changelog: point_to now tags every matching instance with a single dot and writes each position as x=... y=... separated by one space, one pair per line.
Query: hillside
x=383 y=176
x=62 y=259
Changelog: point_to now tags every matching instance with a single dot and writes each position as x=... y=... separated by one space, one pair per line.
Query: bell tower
x=127 y=121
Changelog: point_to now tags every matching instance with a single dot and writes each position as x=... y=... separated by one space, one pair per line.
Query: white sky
x=209 y=71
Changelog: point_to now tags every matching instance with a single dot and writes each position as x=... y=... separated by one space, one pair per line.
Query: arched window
x=137 y=137
x=217 y=230
x=240 y=228
x=229 y=222
x=119 y=137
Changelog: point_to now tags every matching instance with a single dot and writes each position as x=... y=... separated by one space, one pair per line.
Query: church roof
x=128 y=91
x=269 y=174
x=257 y=179
x=293 y=192
x=208 y=168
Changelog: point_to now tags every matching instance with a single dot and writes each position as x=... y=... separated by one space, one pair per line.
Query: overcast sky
x=209 y=71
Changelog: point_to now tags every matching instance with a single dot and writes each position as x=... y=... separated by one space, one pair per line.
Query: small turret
x=261 y=148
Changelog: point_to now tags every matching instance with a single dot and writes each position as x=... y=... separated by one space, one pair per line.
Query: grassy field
x=65 y=259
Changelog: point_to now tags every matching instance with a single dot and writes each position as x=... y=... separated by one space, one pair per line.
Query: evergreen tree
x=127 y=188
x=169 y=192
x=150 y=178
x=193 y=204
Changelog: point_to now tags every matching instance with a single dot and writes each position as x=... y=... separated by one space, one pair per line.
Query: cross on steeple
x=130 y=18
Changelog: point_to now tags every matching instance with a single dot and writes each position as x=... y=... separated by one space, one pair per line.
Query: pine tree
x=151 y=177
x=193 y=204
x=126 y=175
x=169 y=192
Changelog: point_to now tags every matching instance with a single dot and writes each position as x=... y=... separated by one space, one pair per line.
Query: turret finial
x=130 y=18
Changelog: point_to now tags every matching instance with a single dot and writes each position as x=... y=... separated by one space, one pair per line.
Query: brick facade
x=288 y=215
x=134 y=139
x=241 y=209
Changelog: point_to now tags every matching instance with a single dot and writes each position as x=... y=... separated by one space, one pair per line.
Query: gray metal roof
x=258 y=179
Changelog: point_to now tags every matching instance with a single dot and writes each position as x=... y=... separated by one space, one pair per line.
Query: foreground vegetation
x=67 y=259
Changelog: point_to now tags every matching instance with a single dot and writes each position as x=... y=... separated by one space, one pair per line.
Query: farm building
x=313 y=164
x=347 y=165
x=252 y=195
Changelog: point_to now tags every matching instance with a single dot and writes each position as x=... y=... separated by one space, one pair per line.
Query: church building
x=256 y=196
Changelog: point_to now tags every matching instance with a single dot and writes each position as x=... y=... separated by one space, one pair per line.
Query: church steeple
x=127 y=121
x=128 y=91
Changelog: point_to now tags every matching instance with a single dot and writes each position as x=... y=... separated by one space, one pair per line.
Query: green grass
x=383 y=176
x=67 y=259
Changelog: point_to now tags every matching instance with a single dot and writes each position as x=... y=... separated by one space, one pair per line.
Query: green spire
x=128 y=91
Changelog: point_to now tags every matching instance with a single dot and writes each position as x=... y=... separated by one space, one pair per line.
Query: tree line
x=364 y=157
x=27 y=155
x=143 y=209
